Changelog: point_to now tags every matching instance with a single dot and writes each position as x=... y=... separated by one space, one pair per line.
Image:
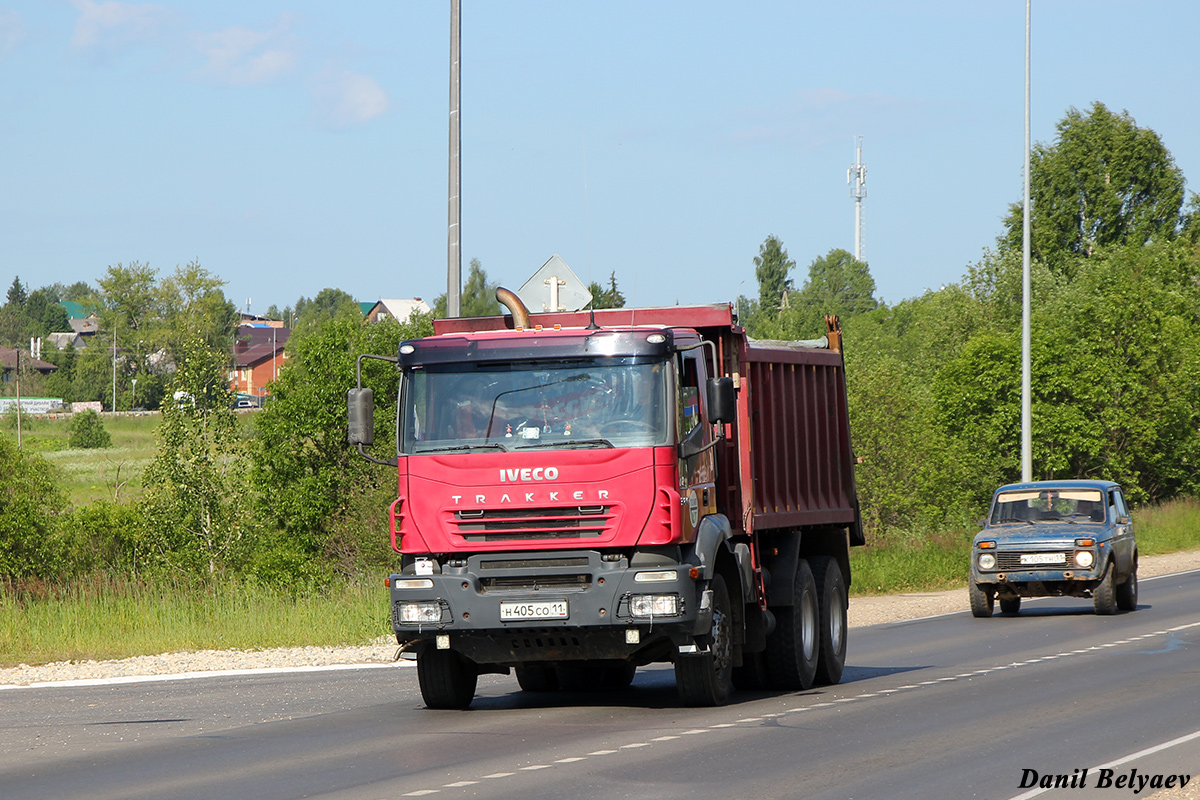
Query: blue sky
x=290 y=145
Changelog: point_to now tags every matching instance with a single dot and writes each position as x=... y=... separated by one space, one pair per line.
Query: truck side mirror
x=360 y=405
x=722 y=402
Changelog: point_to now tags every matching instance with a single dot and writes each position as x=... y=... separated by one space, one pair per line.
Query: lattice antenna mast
x=856 y=176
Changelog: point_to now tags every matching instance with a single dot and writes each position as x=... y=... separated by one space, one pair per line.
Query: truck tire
x=793 y=648
x=752 y=675
x=982 y=600
x=1010 y=605
x=537 y=679
x=832 y=604
x=591 y=676
x=1104 y=596
x=706 y=679
x=1127 y=592
x=447 y=679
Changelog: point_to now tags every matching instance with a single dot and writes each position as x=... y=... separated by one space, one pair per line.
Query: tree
x=607 y=298
x=306 y=475
x=1103 y=182
x=197 y=498
x=478 y=297
x=328 y=304
x=16 y=293
x=193 y=304
x=130 y=298
x=837 y=283
x=771 y=268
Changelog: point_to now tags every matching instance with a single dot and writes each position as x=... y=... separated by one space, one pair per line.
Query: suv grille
x=1010 y=561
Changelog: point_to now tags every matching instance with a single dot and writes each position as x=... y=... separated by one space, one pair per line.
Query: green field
x=112 y=473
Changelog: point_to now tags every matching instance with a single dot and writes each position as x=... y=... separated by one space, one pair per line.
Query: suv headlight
x=1085 y=558
x=987 y=561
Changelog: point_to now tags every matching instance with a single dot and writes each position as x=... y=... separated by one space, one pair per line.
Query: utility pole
x=18 y=398
x=454 y=232
x=856 y=176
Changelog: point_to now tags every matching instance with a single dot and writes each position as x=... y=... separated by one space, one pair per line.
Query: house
x=8 y=363
x=396 y=309
x=84 y=325
x=258 y=355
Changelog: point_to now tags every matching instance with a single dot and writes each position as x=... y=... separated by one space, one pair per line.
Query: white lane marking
x=188 y=676
x=1124 y=760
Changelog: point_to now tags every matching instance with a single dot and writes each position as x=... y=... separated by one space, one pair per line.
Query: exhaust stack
x=509 y=300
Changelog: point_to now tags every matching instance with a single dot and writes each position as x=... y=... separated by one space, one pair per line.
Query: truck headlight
x=420 y=613
x=652 y=576
x=1085 y=558
x=654 y=605
x=987 y=561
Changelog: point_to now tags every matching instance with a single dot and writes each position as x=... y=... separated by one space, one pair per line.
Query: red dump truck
x=584 y=493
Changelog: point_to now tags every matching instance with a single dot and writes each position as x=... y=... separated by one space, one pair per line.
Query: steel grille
x=522 y=583
x=504 y=524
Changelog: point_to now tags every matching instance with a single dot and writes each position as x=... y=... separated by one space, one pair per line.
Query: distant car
x=1055 y=539
x=245 y=403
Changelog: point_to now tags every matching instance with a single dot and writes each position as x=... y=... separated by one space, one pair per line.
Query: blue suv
x=1055 y=539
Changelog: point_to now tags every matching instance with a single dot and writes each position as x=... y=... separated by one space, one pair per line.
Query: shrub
x=87 y=431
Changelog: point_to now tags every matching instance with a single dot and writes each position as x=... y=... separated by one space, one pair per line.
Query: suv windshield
x=1038 y=505
x=610 y=402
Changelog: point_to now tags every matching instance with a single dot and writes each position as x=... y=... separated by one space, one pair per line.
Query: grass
x=111 y=473
x=942 y=561
x=105 y=621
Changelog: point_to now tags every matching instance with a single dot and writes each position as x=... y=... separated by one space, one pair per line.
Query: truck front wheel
x=832 y=604
x=792 y=650
x=706 y=679
x=447 y=679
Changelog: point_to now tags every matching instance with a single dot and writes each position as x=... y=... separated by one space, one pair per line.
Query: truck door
x=697 y=474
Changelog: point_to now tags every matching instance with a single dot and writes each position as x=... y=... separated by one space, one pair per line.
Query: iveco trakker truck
x=584 y=493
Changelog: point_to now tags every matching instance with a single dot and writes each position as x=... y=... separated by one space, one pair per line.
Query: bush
x=30 y=502
x=87 y=431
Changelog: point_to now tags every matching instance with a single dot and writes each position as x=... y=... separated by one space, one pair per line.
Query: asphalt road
x=943 y=707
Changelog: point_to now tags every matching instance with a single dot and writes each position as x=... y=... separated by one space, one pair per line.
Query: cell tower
x=856 y=176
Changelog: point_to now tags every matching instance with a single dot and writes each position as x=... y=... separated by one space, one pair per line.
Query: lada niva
x=1055 y=539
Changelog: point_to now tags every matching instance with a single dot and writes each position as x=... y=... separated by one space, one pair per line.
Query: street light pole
x=454 y=228
x=1026 y=394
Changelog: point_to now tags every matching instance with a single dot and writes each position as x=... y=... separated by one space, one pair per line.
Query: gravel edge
x=863 y=611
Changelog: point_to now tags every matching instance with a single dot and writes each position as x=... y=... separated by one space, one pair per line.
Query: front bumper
x=463 y=604
x=1059 y=581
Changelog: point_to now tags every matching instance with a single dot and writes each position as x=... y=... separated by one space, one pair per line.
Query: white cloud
x=345 y=99
x=113 y=25
x=241 y=57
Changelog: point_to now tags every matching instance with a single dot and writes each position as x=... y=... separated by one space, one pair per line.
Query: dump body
x=591 y=492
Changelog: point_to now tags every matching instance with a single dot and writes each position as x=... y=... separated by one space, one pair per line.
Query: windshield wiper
x=452 y=448
x=567 y=444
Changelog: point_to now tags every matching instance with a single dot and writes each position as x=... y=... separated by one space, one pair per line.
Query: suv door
x=1123 y=537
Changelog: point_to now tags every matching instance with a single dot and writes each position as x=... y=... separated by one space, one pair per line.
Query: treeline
x=934 y=387
x=935 y=381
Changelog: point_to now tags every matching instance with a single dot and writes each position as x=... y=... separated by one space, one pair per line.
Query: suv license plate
x=1044 y=558
x=516 y=611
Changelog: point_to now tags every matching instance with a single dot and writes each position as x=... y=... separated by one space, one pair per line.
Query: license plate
x=1043 y=558
x=516 y=611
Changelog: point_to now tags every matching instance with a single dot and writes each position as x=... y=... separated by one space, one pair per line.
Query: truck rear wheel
x=832 y=604
x=537 y=679
x=447 y=679
x=706 y=679
x=793 y=649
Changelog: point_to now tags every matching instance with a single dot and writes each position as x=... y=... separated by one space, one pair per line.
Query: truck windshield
x=610 y=402
x=1049 y=505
